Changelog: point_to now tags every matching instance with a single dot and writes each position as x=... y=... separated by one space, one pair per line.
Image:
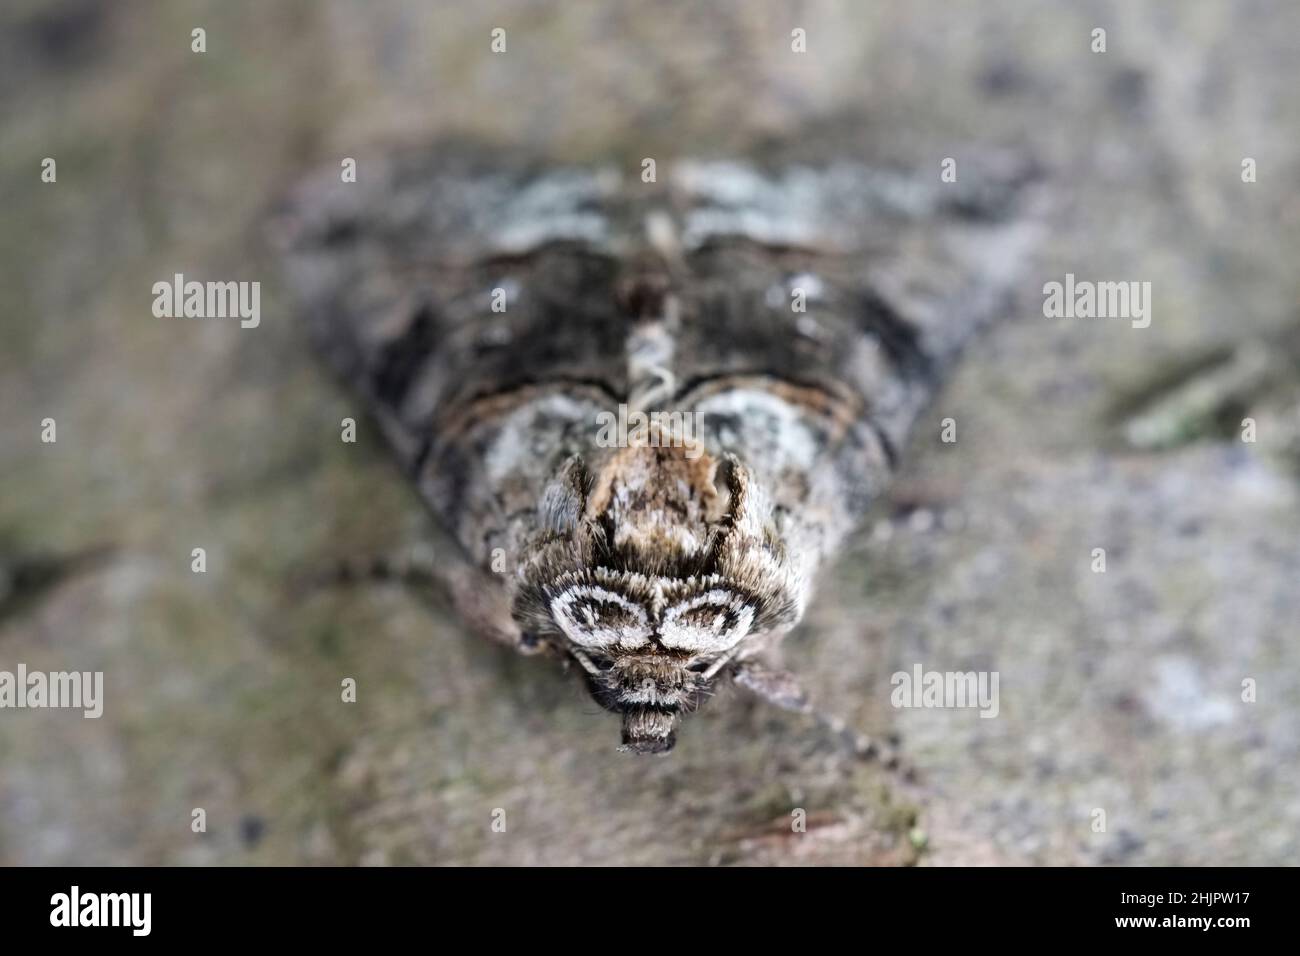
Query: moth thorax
x=658 y=499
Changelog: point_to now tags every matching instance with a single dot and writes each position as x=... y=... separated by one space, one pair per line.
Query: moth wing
x=939 y=256
x=832 y=297
x=468 y=301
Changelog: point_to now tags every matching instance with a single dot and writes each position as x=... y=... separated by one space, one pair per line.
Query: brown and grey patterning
x=801 y=314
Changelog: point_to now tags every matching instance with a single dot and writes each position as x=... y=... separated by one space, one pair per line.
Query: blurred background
x=1120 y=691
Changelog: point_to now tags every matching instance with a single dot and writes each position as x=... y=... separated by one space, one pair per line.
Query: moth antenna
x=781 y=689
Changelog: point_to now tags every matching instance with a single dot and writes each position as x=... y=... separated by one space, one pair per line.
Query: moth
x=494 y=313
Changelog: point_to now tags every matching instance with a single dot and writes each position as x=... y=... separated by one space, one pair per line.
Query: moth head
x=654 y=574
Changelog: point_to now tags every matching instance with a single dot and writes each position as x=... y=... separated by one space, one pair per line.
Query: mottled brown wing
x=398 y=274
x=826 y=303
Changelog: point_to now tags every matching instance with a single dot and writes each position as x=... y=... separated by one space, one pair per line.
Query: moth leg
x=412 y=570
x=781 y=688
x=475 y=595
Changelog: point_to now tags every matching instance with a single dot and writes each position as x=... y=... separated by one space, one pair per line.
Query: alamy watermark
x=946 y=689
x=82 y=690
x=652 y=429
x=75 y=908
x=179 y=299
x=1100 y=300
